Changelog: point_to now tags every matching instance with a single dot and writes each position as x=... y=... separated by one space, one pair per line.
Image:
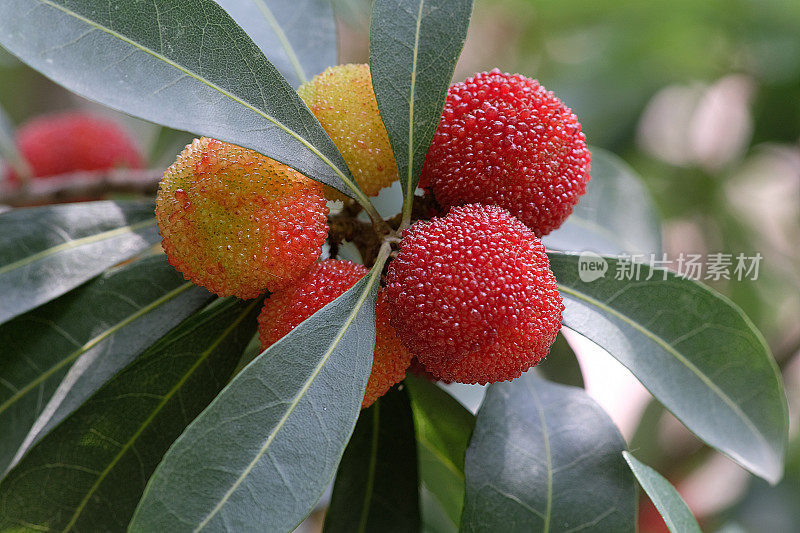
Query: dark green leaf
x=546 y=457
x=561 y=365
x=669 y=503
x=693 y=349
x=98 y=329
x=180 y=63
x=615 y=216
x=46 y=251
x=297 y=36
x=262 y=454
x=89 y=473
x=413 y=47
x=443 y=429
x=376 y=486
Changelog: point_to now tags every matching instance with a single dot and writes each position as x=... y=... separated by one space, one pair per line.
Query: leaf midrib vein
x=415 y=51
x=92 y=343
x=90 y=239
x=678 y=356
x=296 y=400
x=548 y=457
x=167 y=397
x=287 y=46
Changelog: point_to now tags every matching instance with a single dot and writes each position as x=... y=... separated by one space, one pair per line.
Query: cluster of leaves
x=120 y=404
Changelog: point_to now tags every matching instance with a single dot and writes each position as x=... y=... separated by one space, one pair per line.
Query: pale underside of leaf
x=373 y=278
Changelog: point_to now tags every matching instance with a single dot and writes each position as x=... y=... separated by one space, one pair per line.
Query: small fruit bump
x=505 y=140
x=286 y=309
x=472 y=296
x=344 y=102
x=237 y=222
x=73 y=141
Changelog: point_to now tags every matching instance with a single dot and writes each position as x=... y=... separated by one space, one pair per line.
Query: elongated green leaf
x=443 y=429
x=693 y=349
x=413 y=48
x=376 y=486
x=297 y=36
x=669 y=503
x=264 y=451
x=615 y=216
x=546 y=457
x=181 y=63
x=561 y=365
x=98 y=328
x=89 y=473
x=46 y=251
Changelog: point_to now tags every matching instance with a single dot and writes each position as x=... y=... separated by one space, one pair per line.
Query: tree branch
x=80 y=185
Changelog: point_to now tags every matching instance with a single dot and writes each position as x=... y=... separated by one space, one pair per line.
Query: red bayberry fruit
x=68 y=142
x=237 y=222
x=472 y=295
x=286 y=309
x=505 y=140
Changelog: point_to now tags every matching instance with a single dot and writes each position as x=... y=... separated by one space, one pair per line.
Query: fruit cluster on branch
x=467 y=294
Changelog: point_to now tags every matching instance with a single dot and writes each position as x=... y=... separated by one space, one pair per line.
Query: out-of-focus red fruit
x=68 y=142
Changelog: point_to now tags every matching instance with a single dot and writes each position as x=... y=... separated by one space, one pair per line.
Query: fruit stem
x=408 y=206
x=377 y=220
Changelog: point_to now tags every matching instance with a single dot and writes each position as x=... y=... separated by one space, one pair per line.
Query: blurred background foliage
x=703 y=100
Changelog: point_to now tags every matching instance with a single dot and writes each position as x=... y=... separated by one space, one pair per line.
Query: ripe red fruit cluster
x=68 y=142
x=472 y=295
x=469 y=296
x=505 y=140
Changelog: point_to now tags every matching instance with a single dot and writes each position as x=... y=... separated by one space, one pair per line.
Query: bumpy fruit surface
x=343 y=101
x=472 y=295
x=505 y=140
x=69 y=142
x=286 y=309
x=237 y=222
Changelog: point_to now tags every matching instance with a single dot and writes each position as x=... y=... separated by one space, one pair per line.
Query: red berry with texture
x=69 y=142
x=472 y=295
x=286 y=309
x=237 y=222
x=505 y=140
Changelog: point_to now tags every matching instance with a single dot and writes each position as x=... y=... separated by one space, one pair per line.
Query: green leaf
x=183 y=64
x=443 y=429
x=693 y=349
x=434 y=518
x=376 y=486
x=413 y=47
x=98 y=328
x=264 y=451
x=616 y=215
x=669 y=503
x=546 y=457
x=561 y=365
x=88 y=474
x=297 y=36
x=46 y=251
